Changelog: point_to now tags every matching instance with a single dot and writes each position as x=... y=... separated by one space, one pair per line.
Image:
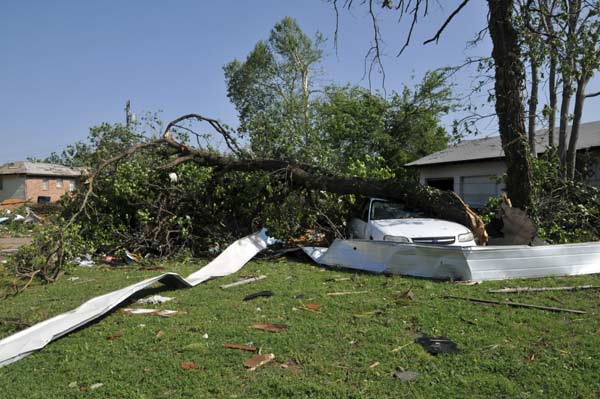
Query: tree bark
x=533 y=101
x=577 y=112
x=564 y=118
x=509 y=102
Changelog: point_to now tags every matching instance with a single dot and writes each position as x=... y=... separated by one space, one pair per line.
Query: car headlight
x=396 y=238
x=465 y=237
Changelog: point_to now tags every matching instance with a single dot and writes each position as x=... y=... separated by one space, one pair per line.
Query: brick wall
x=35 y=187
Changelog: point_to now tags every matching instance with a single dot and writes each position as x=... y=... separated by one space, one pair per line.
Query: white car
x=389 y=221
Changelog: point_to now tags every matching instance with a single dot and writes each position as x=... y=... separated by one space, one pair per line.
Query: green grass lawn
x=504 y=352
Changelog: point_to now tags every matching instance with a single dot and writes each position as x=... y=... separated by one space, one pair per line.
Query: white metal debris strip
x=461 y=263
x=25 y=342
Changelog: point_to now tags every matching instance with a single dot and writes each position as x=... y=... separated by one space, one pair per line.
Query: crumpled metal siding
x=36 y=337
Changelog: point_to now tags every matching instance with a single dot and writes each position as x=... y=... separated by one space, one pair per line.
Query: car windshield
x=390 y=210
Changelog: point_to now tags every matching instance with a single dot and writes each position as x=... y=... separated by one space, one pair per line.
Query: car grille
x=434 y=240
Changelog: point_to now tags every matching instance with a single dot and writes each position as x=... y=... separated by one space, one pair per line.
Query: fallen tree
x=433 y=202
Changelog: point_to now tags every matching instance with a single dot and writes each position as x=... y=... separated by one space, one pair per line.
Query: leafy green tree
x=272 y=90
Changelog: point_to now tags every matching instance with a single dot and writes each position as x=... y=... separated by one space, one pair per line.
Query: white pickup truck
x=389 y=221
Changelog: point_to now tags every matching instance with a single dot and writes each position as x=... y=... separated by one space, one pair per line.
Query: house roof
x=491 y=147
x=37 y=169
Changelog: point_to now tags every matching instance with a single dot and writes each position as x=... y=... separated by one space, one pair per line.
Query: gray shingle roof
x=491 y=147
x=37 y=169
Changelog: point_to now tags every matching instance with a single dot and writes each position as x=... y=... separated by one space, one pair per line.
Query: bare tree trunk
x=509 y=102
x=568 y=70
x=564 y=118
x=552 y=98
x=533 y=101
x=577 y=112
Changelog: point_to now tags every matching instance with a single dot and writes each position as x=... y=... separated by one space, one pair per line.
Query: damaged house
x=473 y=168
x=36 y=181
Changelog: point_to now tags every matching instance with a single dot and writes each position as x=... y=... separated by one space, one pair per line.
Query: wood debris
x=516 y=305
x=188 y=365
x=346 y=293
x=258 y=360
x=271 y=327
x=156 y=312
x=116 y=335
x=240 y=347
x=518 y=290
x=242 y=282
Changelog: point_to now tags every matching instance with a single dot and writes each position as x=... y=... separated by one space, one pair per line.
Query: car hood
x=418 y=227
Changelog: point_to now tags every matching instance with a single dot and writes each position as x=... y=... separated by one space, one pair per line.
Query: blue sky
x=70 y=65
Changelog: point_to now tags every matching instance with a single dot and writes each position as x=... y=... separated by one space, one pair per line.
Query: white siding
x=13 y=186
x=474 y=181
x=476 y=190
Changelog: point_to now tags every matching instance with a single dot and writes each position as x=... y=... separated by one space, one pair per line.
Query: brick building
x=36 y=181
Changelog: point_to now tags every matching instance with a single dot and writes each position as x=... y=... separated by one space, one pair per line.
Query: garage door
x=476 y=190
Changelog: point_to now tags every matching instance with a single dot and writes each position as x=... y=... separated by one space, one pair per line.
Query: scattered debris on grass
x=291 y=365
x=241 y=347
x=372 y=366
x=519 y=290
x=155 y=300
x=96 y=385
x=399 y=348
x=310 y=306
x=258 y=360
x=437 y=345
x=405 y=376
x=346 y=293
x=335 y=280
x=132 y=258
x=116 y=335
x=188 y=365
x=259 y=294
x=515 y=304
x=408 y=294
x=271 y=327
x=242 y=282
x=157 y=312
x=159 y=333
x=84 y=261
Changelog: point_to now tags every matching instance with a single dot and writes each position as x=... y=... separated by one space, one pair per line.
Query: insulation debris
x=155 y=300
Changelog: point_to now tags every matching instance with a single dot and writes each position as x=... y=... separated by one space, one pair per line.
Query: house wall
x=13 y=187
x=475 y=182
x=35 y=187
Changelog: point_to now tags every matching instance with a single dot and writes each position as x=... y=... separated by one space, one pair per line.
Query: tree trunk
x=509 y=102
x=533 y=101
x=577 y=112
x=568 y=71
x=552 y=98
x=564 y=118
x=433 y=202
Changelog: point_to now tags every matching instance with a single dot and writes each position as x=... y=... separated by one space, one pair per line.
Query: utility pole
x=129 y=116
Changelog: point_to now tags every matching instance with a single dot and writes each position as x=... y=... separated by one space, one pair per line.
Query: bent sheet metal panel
x=461 y=263
x=36 y=337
